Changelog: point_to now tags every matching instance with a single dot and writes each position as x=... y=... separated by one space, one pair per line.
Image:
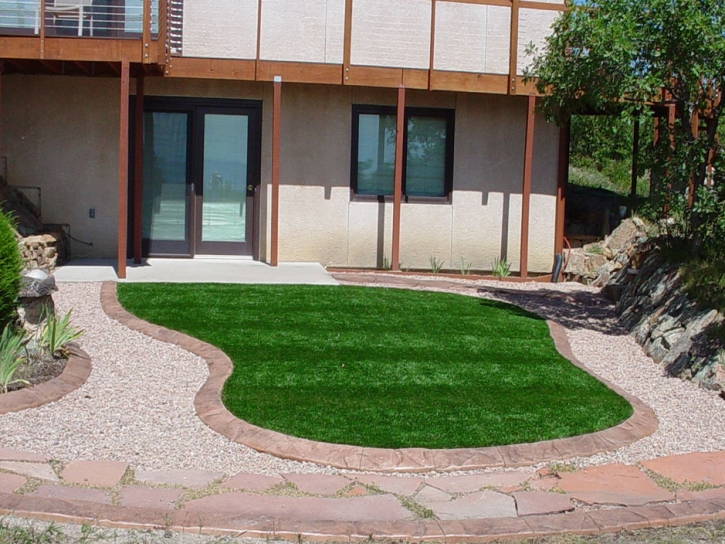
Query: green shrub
x=10 y=267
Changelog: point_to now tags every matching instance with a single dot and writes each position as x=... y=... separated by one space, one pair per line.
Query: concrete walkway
x=198 y=270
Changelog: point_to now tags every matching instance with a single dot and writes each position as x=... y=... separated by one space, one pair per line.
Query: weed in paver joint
x=663 y=481
x=31 y=485
x=557 y=468
x=415 y=507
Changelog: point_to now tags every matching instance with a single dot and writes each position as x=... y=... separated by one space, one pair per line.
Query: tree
x=628 y=55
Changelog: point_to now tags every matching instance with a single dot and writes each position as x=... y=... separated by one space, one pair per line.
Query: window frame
x=438 y=113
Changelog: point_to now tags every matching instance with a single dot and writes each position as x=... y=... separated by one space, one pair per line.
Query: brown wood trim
x=526 y=189
x=259 y=39
x=504 y=3
x=562 y=182
x=42 y=29
x=468 y=82
x=347 y=44
x=276 y=129
x=146 y=33
x=416 y=79
x=211 y=68
x=123 y=170
x=92 y=49
x=162 y=49
x=372 y=76
x=299 y=72
x=528 y=4
x=398 y=182
x=513 y=46
x=138 y=170
x=525 y=88
x=431 y=55
x=21 y=47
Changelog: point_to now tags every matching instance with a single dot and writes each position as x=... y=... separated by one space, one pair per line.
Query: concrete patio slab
x=206 y=269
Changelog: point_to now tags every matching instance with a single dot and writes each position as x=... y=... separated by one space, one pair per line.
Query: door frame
x=196 y=108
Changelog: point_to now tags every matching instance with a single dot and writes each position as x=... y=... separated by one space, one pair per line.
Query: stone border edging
x=75 y=374
x=450 y=531
x=212 y=412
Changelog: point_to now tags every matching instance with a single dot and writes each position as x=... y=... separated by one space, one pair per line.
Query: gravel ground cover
x=137 y=405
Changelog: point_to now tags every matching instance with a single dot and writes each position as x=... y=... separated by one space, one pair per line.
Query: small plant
x=12 y=346
x=465 y=267
x=386 y=263
x=436 y=264
x=500 y=268
x=57 y=333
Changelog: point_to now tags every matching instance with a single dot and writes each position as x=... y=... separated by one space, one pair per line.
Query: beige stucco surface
x=220 y=29
x=472 y=38
x=61 y=134
x=392 y=33
x=309 y=31
x=534 y=27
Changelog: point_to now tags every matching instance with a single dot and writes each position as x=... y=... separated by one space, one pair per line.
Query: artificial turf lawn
x=383 y=367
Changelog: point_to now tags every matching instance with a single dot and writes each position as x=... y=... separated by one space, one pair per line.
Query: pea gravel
x=137 y=405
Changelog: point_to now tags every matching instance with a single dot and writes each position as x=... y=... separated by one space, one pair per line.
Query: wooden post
x=563 y=180
x=138 y=170
x=526 y=190
x=513 y=46
x=276 y=124
x=41 y=29
x=123 y=170
x=146 y=32
x=398 y=183
x=635 y=158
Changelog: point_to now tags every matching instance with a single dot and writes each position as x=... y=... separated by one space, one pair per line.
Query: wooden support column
x=138 y=170
x=123 y=170
x=41 y=29
x=562 y=182
x=146 y=32
x=526 y=189
x=398 y=183
x=276 y=125
x=635 y=158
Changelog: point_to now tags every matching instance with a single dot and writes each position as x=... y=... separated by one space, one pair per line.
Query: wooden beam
x=513 y=46
x=635 y=158
x=398 y=182
x=374 y=76
x=562 y=182
x=211 y=68
x=299 y=72
x=526 y=190
x=468 y=82
x=123 y=169
x=138 y=170
x=347 y=43
x=146 y=33
x=276 y=128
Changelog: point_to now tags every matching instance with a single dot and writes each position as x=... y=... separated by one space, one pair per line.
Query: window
x=428 y=161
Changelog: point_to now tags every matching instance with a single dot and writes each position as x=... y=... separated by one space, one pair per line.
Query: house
x=353 y=133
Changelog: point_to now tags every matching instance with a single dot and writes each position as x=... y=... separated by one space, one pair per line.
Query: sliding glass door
x=201 y=170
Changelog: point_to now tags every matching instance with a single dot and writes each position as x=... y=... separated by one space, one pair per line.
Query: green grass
x=384 y=367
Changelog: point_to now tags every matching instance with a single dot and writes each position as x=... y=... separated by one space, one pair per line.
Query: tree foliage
x=629 y=55
x=10 y=267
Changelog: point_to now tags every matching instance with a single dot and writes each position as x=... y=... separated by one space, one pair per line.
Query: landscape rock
x=35 y=302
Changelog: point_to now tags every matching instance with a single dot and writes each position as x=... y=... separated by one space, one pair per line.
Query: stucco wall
x=220 y=29
x=61 y=134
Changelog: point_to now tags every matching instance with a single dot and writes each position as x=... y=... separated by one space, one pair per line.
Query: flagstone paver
x=34 y=470
x=72 y=493
x=705 y=494
x=247 y=506
x=613 y=484
x=431 y=494
x=251 y=482
x=474 y=482
x=95 y=473
x=7 y=454
x=533 y=503
x=9 y=483
x=317 y=484
x=149 y=497
x=484 y=504
x=391 y=484
x=196 y=479
x=691 y=467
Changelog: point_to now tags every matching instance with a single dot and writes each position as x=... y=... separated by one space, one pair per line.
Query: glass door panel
x=165 y=205
x=224 y=201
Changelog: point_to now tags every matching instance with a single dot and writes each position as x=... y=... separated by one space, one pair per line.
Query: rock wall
x=672 y=329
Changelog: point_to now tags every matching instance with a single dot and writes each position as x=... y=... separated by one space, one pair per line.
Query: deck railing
x=79 y=18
